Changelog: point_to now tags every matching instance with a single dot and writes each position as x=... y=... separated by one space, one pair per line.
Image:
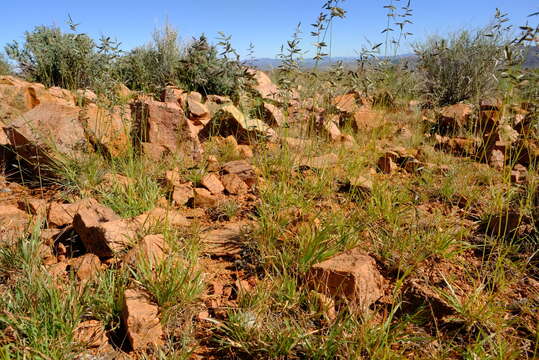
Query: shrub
x=152 y=67
x=5 y=67
x=460 y=68
x=53 y=58
x=204 y=70
x=198 y=67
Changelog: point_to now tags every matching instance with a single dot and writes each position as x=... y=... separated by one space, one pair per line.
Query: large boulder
x=47 y=133
x=107 y=129
x=164 y=124
x=18 y=96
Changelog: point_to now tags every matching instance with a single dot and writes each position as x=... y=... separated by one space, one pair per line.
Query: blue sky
x=267 y=24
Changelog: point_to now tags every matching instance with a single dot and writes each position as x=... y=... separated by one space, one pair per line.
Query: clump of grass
x=173 y=282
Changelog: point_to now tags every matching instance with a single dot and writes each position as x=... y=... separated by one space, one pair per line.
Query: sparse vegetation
x=188 y=243
x=5 y=67
x=54 y=58
x=465 y=66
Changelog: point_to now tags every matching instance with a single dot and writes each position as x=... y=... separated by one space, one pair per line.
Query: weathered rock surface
x=204 y=198
x=62 y=214
x=454 y=117
x=346 y=103
x=234 y=185
x=273 y=115
x=46 y=133
x=225 y=240
x=198 y=112
x=91 y=334
x=182 y=194
x=229 y=120
x=212 y=183
x=141 y=320
x=164 y=124
x=151 y=250
x=243 y=169
x=351 y=275
x=102 y=232
x=107 y=129
x=264 y=86
x=13 y=223
x=86 y=266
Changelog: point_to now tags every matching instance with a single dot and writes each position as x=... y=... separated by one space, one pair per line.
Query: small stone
x=86 y=266
x=101 y=231
x=234 y=184
x=199 y=113
x=519 y=174
x=387 y=164
x=497 y=159
x=245 y=151
x=141 y=320
x=243 y=169
x=351 y=275
x=151 y=249
x=182 y=194
x=204 y=199
x=213 y=184
x=62 y=214
x=213 y=163
x=346 y=103
x=91 y=334
x=358 y=184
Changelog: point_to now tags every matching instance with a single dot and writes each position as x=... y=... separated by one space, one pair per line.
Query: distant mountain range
x=532 y=61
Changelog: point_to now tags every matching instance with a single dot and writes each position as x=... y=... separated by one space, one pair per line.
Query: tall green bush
x=465 y=66
x=54 y=58
x=5 y=67
x=197 y=67
x=151 y=67
x=204 y=70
